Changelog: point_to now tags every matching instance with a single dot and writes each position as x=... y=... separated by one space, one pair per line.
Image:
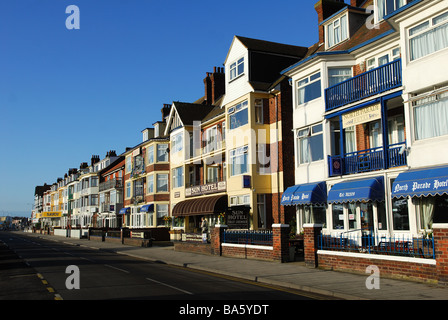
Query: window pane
x=400 y=214
x=239 y=119
x=316 y=146
x=338 y=216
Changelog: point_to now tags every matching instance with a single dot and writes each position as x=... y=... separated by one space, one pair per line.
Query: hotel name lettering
x=206 y=189
x=367 y=114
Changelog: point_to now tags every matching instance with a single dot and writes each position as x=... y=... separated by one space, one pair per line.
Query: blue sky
x=68 y=94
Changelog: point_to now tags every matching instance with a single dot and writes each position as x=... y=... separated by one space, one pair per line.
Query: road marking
x=50 y=289
x=23 y=275
x=87 y=259
x=57 y=296
x=107 y=265
x=45 y=282
x=167 y=285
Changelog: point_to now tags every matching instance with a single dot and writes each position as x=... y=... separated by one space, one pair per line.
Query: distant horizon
x=22 y=214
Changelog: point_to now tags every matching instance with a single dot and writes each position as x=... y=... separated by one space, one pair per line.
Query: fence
x=251 y=237
x=375 y=244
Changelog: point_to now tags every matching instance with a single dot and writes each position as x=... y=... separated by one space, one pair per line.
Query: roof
x=189 y=112
x=272 y=47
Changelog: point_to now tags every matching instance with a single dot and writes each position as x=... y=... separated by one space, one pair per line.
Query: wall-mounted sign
x=363 y=115
x=237 y=217
x=206 y=189
x=50 y=214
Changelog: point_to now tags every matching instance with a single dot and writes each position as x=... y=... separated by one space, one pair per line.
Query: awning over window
x=125 y=210
x=357 y=190
x=201 y=206
x=147 y=208
x=305 y=194
x=423 y=182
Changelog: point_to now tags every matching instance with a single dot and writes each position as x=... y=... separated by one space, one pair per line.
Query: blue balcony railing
x=370 y=83
x=368 y=160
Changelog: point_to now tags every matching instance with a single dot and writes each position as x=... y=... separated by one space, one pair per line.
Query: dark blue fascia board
x=325 y=53
x=385 y=34
x=402 y=9
x=365 y=104
x=340 y=11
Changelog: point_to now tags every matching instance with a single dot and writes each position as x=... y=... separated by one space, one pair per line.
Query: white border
x=378 y=257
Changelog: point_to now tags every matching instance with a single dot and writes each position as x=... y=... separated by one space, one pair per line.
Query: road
x=39 y=270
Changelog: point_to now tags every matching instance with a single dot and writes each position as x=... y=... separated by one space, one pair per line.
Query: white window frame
x=259 y=111
x=235 y=69
x=431 y=26
x=240 y=107
x=305 y=82
x=336 y=26
x=162 y=151
x=234 y=155
x=164 y=177
x=306 y=133
x=392 y=55
x=177 y=142
x=178 y=177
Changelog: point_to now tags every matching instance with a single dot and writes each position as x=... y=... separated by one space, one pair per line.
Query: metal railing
x=369 y=160
x=370 y=83
x=252 y=237
x=378 y=244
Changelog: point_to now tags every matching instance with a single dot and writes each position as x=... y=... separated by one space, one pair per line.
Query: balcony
x=368 y=160
x=114 y=183
x=370 y=83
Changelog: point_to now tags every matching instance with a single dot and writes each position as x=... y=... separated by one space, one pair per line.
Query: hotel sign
x=208 y=188
x=363 y=115
x=50 y=214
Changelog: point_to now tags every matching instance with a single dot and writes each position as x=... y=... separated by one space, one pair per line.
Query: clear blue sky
x=68 y=94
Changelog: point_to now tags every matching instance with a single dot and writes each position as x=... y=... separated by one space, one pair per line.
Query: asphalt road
x=39 y=269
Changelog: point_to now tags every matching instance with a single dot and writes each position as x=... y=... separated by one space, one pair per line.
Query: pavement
x=295 y=275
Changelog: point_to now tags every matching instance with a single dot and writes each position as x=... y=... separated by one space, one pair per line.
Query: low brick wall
x=195 y=247
x=96 y=238
x=137 y=242
x=415 y=269
x=113 y=240
x=247 y=251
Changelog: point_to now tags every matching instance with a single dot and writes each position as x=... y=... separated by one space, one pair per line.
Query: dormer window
x=386 y=7
x=236 y=69
x=337 y=31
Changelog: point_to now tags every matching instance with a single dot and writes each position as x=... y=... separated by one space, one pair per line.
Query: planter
x=175 y=235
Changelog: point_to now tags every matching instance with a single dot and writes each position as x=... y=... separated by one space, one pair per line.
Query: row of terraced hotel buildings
x=337 y=152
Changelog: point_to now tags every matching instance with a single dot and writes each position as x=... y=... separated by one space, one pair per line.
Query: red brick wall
x=388 y=268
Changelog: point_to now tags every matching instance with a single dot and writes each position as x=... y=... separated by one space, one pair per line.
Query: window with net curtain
x=386 y=7
x=430 y=116
x=428 y=37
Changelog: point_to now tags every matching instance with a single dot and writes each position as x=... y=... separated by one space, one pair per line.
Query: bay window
x=338 y=75
x=310 y=144
x=430 y=116
x=178 y=174
x=309 y=88
x=239 y=115
x=162 y=182
x=238 y=161
x=428 y=37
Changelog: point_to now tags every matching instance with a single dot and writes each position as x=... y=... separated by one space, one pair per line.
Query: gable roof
x=272 y=47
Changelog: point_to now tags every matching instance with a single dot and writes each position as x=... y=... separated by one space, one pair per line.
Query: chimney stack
x=214 y=84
